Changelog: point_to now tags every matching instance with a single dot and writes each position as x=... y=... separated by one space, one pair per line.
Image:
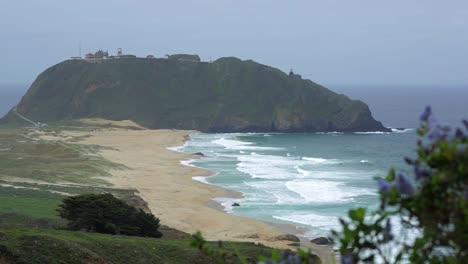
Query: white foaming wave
x=318 y=221
x=240 y=145
x=365 y=161
x=188 y=162
x=320 y=160
x=372 y=133
x=405 y=130
x=202 y=179
x=330 y=133
x=321 y=191
x=268 y=166
x=302 y=172
x=278 y=190
x=227 y=203
x=177 y=148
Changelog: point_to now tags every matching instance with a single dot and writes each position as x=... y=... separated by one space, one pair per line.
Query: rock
x=3 y=236
x=199 y=154
x=211 y=95
x=250 y=236
x=320 y=241
x=235 y=204
x=286 y=237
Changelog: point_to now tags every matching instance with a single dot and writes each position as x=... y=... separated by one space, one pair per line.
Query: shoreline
x=167 y=185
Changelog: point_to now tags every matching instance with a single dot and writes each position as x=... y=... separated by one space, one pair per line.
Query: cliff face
x=228 y=95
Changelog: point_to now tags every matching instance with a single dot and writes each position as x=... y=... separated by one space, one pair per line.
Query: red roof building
x=90 y=56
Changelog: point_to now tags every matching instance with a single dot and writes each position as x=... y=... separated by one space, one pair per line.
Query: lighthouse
x=119 y=52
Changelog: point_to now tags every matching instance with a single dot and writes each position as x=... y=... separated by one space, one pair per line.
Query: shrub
x=431 y=206
x=104 y=213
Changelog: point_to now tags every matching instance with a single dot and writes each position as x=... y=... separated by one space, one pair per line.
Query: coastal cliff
x=227 y=95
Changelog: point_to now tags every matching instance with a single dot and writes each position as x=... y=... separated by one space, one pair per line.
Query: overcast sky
x=347 y=42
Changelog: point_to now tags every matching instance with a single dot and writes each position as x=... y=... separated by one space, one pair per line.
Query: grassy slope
x=227 y=95
x=28 y=217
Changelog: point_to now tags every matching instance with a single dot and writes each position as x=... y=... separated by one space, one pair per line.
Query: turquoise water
x=309 y=180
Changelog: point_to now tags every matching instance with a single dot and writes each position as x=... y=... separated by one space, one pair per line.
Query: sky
x=334 y=43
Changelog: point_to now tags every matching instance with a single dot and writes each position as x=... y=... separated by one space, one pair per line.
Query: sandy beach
x=167 y=185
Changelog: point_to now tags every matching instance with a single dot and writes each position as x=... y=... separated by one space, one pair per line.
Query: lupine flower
x=388 y=226
x=403 y=185
x=346 y=259
x=384 y=185
x=426 y=114
x=459 y=134
x=421 y=173
x=465 y=122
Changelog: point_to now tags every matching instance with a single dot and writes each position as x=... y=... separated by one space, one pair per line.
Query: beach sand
x=167 y=185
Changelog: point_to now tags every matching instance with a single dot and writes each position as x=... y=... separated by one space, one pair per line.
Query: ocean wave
x=276 y=189
x=405 y=130
x=372 y=133
x=268 y=166
x=321 y=160
x=240 y=145
x=366 y=162
x=202 y=179
x=315 y=220
x=321 y=191
x=188 y=162
x=227 y=202
x=176 y=149
x=329 y=133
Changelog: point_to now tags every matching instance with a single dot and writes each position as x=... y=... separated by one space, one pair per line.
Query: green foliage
x=433 y=206
x=226 y=95
x=223 y=254
x=103 y=213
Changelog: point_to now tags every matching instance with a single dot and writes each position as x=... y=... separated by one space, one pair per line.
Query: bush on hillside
x=104 y=213
x=423 y=218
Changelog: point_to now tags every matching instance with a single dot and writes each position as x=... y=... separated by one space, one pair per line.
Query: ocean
x=310 y=180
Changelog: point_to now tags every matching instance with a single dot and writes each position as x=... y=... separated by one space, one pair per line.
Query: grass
x=24 y=157
x=30 y=226
x=58 y=246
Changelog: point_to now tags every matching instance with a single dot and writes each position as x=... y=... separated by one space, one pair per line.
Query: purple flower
x=346 y=259
x=465 y=122
x=421 y=173
x=388 y=226
x=459 y=134
x=426 y=114
x=403 y=185
x=384 y=185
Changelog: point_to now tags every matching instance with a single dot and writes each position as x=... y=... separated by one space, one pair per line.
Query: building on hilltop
x=150 y=56
x=90 y=56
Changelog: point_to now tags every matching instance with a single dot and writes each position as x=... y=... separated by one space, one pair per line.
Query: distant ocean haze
x=400 y=106
x=10 y=95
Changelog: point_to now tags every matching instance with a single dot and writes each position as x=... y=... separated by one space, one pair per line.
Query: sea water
x=309 y=180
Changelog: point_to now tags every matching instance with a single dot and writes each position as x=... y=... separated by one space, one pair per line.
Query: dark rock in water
x=320 y=241
x=286 y=237
x=199 y=154
x=3 y=236
x=400 y=128
x=235 y=204
x=227 y=95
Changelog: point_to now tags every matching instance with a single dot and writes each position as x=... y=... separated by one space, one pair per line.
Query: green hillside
x=228 y=95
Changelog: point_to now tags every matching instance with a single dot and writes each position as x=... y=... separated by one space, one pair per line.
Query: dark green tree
x=104 y=213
